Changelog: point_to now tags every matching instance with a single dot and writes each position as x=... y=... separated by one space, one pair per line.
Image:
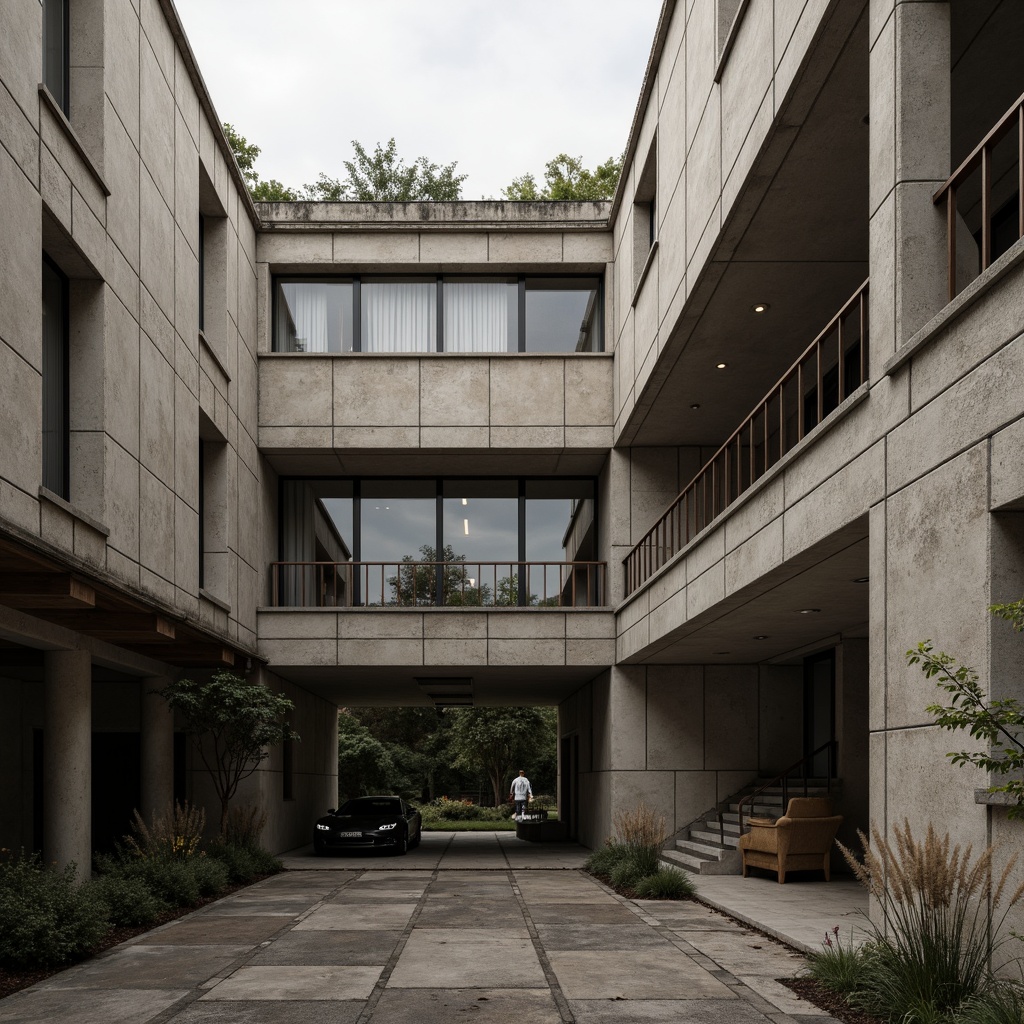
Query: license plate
x=350 y=835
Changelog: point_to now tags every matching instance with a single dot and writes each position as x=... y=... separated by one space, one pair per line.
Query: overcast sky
x=501 y=87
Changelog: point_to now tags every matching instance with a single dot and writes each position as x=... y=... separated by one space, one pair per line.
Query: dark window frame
x=62 y=485
x=63 y=94
x=202 y=272
x=356 y=281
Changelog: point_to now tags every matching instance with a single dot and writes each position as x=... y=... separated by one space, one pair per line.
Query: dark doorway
x=569 y=769
x=819 y=711
x=116 y=774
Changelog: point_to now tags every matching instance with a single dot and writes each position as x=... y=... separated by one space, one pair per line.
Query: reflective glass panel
x=314 y=316
x=481 y=531
x=481 y=315
x=563 y=315
x=398 y=522
x=559 y=529
x=398 y=316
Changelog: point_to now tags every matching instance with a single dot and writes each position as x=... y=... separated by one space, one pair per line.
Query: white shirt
x=520 y=787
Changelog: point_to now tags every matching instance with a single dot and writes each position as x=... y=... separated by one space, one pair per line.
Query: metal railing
x=828 y=371
x=783 y=779
x=460 y=584
x=981 y=157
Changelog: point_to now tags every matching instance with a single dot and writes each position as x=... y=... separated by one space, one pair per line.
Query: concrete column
x=909 y=159
x=157 y=741
x=67 y=759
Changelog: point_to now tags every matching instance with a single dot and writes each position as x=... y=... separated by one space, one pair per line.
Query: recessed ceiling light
x=809 y=611
x=721 y=366
x=761 y=636
x=761 y=307
x=861 y=579
x=695 y=405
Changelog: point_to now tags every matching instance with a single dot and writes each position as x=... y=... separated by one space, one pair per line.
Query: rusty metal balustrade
x=981 y=158
x=830 y=369
x=446 y=584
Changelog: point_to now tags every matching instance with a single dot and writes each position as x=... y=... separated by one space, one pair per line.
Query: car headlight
x=323 y=828
x=386 y=828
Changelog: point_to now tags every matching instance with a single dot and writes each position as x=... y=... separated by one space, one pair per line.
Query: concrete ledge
x=541 y=831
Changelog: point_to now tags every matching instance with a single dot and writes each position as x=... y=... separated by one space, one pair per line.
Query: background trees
x=566 y=179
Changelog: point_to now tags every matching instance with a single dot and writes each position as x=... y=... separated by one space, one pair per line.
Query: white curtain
x=476 y=316
x=399 y=317
x=308 y=303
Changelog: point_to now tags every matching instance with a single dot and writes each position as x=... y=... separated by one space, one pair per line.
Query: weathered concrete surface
x=477 y=924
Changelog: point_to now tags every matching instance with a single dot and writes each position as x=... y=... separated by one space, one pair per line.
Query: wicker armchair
x=800 y=840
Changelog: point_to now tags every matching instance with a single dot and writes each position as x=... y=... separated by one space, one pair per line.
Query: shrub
x=451 y=810
x=665 y=884
x=942 y=916
x=212 y=875
x=604 y=860
x=46 y=919
x=173 y=881
x=1000 y=1003
x=841 y=968
x=175 y=834
x=244 y=827
x=129 y=901
x=626 y=874
x=244 y=864
x=643 y=833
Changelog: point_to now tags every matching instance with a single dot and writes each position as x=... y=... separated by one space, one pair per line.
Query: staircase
x=709 y=846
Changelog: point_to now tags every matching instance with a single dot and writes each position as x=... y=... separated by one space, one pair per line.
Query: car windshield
x=366 y=805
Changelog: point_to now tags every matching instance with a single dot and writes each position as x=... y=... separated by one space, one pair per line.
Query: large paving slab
x=475 y=928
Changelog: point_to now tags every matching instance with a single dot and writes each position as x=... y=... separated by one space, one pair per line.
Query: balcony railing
x=831 y=368
x=431 y=584
x=982 y=158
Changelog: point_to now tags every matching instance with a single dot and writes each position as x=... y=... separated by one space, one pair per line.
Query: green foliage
x=998 y=723
x=567 y=180
x=175 y=835
x=627 y=874
x=665 y=884
x=443 y=809
x=129 y=901
x=244 y=864
x=365 y=765
x=940 y=930
x=232 y=723
x=603 y=860
x=46 y=918
x=500 y=741
x=270 y=191
x=1001 y=1003
x=841 y=968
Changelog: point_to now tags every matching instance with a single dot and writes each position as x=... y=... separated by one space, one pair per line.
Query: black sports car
x=368 y=821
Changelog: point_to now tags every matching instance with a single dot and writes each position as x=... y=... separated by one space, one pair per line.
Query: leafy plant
x=840 y=967
x=245 y=826
x=175 y=834
x=665 y=884
x=627 y=873
x=129 y=901
x=999 y=723
x=942 y=916
x=1000 y=1003
x=565 y=179
x=232 y=723
x=244 y=864
x=642 y=832
x=46 y=917
x=605 y=859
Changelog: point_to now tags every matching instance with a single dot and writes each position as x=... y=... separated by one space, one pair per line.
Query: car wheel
x=416 y=841
x=319 y=849
x=402 y=846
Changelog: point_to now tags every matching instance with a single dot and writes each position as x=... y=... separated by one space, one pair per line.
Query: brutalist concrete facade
x=781 y=155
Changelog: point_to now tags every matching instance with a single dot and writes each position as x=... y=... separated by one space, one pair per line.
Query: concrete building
x=697 y=465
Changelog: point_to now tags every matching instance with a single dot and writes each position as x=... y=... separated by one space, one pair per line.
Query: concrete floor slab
x=611 y=912
x=149 y=967
x=273 y=1011
x=262 y=906
x=205 y=928
x=782 y=998
x=664 y=1011
x=432 y=960
x=328 y=948
x=351 y=916
x=746 y=953
x=447 y=912
x=286 y=983
x=124 y=1006
x=448 y=1006
x=635 y=974
x=609 y=936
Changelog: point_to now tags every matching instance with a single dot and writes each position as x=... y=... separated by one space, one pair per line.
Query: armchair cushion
x=802 y=838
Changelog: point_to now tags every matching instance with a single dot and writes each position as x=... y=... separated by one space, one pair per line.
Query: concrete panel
x=377 y=652
x=156 y=397
x=283 y=249
x=731 y=704
x=526 y=625
x=156 y=241
x=320 y=651
x=20 y=246
x=754 y=557
x=383 y=247
x=525 y=247
x=452 y=249
x=746 y=79
x=696 y=793
x=376 y=392
x=588 y=392
x=21 y=417
x=376 y=437
x=448 y=625
x=156 y=525
x=455 y=391
x=1007 y=469
x=298 y=625
x=157 y=124
x=525 y=652
x=387 y=625
x=705 y=591
x=703 y=176
x=587 y=248
x=296 y=392
x=455 y=652
x=527 y=391
x=655 y=789
x=780 y=717
x=675 y=717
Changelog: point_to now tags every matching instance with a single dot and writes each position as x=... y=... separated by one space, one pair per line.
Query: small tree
x=999 y=723
x=232 y=723
x=567 y=180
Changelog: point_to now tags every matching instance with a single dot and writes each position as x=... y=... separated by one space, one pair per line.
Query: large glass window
x=55 y=380
x=55 y=51
x=377 y=542
x=438 y=314
x=398 y=316
x=562 y=315
x=481 y=315
x=314 y=316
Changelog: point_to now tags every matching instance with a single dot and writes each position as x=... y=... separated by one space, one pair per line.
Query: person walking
x=522 y=793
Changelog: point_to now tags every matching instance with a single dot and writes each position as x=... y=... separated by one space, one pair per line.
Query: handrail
x=981 y=156
x=830 y=746
x=732 y=469
x=403 y=584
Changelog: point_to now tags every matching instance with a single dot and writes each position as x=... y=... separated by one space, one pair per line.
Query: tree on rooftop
x=566 y=179
x=232 y=723
x=269 y=191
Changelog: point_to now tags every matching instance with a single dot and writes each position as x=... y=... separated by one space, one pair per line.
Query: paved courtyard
x=469 y=926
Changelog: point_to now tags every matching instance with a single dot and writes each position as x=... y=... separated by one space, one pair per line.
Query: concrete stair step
x=712 y=838
x=683 y=860
x=705 y=851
